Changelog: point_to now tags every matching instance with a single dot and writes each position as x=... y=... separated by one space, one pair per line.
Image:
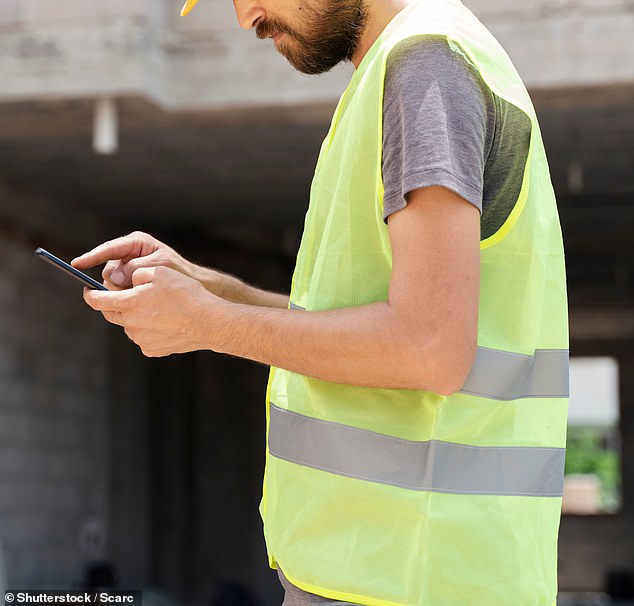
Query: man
x=416 y=407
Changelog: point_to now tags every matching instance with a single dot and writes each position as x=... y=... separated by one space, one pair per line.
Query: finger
x=114 y=249
x=122 y=276
x=110 y=286
x=128 y=334
x=114 y=317
x=146 y=275
x=119 y=273
x=127 y=247
x=112 y=301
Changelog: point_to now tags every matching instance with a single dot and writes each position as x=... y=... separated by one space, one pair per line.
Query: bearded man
x=416 y=406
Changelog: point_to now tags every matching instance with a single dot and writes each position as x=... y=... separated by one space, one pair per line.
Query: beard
x=334 y=30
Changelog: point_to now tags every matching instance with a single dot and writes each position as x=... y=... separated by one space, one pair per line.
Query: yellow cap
x=189 y=4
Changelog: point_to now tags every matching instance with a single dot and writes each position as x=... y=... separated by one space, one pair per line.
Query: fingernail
x=117 y=277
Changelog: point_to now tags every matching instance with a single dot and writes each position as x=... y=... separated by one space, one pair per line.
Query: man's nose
x=249 y=12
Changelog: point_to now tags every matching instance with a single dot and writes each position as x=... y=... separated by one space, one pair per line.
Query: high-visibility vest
x=400 y=497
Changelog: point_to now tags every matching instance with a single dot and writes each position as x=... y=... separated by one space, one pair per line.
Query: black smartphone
x=40 y=253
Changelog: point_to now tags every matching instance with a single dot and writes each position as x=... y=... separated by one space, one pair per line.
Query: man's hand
x=163 y=313
x=123 y=256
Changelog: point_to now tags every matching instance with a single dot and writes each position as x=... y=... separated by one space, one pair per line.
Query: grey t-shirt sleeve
x=438 y=122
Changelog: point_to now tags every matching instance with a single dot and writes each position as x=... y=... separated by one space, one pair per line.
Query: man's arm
x=235 y=290
x=123 y=256
x=423 y=337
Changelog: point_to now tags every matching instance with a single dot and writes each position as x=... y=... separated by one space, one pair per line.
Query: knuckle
x=140 y=235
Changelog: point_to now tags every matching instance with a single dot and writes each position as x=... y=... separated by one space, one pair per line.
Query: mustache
x=266 y=29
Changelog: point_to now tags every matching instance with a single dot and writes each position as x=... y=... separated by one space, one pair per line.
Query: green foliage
x=585 y=454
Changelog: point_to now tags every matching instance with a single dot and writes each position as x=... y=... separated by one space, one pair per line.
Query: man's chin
x=315 y=70
x=308 y=69
x=289 y=48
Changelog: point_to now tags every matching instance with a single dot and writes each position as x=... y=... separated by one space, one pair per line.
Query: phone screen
x=68 y=269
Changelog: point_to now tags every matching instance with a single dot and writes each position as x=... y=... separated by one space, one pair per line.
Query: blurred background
x=118 y=115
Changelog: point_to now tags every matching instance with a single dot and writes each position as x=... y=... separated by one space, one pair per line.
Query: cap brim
x=189 y=4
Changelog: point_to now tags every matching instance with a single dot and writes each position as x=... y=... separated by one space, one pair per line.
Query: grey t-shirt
x=442 y=125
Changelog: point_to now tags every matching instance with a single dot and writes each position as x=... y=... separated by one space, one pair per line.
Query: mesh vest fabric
x=396 y=497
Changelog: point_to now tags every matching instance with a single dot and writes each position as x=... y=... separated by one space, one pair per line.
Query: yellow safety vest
x=395 y=497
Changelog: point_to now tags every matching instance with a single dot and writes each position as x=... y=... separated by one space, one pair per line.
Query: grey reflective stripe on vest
x=430 y=466
x=504 y=375
x=293 y=306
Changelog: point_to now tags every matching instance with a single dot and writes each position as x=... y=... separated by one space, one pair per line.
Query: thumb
x=116 y=275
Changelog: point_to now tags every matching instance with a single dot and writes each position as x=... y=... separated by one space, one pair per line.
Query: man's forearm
x=235 y=290
x=368 y=345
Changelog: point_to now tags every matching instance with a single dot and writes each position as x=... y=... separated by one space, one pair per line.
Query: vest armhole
x=520 y=204
x=509 y=222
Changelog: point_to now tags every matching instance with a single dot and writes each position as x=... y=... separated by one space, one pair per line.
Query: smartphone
x=40 y=253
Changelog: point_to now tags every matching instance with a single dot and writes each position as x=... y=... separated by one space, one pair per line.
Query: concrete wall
x=74 y=48
x=53 y=424
x=564 y=43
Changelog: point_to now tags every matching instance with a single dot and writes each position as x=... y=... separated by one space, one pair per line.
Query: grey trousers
x=294 y=596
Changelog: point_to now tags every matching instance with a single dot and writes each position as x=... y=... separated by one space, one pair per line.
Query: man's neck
x=380 y=13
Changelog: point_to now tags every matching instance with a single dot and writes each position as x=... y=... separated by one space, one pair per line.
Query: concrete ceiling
x=176 y=168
